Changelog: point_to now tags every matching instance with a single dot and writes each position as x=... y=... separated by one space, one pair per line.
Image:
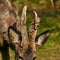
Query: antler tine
x=33 y=29
x=37 y=20
x=23 y=28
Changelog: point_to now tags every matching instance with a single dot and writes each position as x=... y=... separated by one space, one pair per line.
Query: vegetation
x=50 y=19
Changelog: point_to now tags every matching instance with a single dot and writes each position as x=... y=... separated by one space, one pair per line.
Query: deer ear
x=13 y=35
x=42 y=38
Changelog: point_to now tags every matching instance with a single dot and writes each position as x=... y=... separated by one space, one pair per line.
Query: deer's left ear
x=42 y=38
x=13 y=35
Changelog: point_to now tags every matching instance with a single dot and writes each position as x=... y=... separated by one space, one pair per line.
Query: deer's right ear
x=13 y=35
x=42 y=38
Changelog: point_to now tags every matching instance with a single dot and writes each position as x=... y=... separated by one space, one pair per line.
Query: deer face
x=26 y=53
x=21 y=52
x=25 y=44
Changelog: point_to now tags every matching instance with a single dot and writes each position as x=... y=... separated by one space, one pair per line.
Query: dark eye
x=20 y=58
x=34 y=58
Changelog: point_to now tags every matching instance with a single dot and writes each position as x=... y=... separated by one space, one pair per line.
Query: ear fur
x=13 y=35
x=42 y=38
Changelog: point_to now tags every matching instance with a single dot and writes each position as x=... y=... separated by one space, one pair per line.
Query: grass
x=49 y=53
x=50 y=20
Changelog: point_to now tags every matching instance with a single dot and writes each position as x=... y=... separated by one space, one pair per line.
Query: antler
x=23 y=28
x=33 y=30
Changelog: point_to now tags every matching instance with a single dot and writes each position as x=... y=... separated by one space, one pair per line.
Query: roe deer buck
x=25 y=42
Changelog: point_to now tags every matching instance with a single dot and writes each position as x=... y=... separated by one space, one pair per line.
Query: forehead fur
x=29 y=50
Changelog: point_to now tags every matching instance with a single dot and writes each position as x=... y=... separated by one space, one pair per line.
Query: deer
x=26 y=42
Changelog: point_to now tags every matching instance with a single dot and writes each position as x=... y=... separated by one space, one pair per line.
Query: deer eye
x=34 y=58
x=20 y=58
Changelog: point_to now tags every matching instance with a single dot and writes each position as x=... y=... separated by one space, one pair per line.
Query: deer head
x=25 y=42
